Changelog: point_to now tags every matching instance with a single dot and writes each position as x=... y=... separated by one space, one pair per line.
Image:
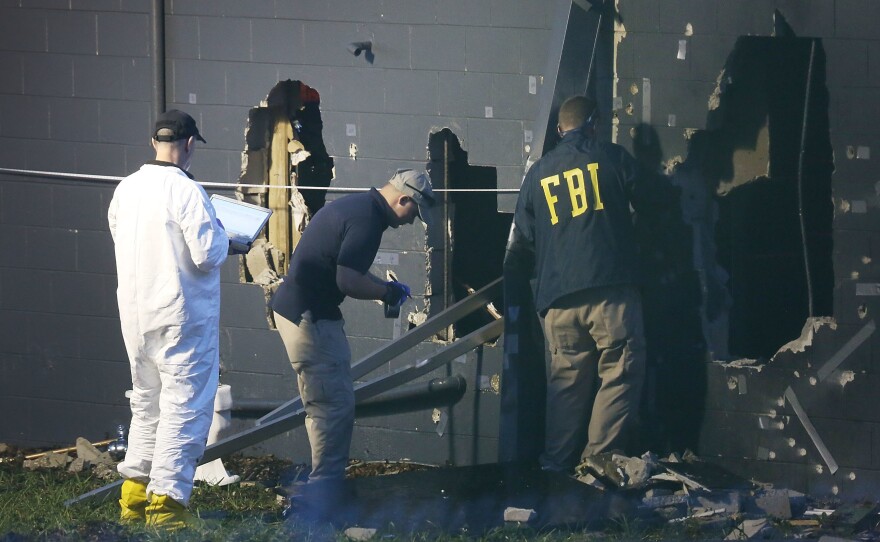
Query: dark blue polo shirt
x=344 y=232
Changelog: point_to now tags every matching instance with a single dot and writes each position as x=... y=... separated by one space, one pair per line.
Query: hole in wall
x=474 y=249
x=755 y=164
x=284 y=147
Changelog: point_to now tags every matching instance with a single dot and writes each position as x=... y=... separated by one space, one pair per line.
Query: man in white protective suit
x=169 y=249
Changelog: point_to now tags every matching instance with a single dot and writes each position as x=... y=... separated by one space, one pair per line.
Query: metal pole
x=157 y=23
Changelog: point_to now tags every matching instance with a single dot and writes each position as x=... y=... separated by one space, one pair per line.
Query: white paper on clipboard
x=242 y=221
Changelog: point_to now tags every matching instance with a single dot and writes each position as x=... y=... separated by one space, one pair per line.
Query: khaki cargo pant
x=320 y=355
x=596 y=337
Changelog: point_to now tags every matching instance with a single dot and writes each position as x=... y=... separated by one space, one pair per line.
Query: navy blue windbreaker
x=574 y=212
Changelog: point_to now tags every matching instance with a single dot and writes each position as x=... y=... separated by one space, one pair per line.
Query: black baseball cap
x=181 y=125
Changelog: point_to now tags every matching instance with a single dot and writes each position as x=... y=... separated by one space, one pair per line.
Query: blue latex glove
x=395 y=293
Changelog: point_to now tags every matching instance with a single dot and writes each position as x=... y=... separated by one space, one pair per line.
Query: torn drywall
x=811 y=326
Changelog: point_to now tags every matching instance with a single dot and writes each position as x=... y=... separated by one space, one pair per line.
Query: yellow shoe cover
x=165 y=513
x=133 y=501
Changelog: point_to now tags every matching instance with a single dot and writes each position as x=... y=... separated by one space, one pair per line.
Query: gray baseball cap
x=417 y=185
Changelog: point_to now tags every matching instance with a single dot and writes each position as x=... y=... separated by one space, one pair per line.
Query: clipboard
x=242 y=221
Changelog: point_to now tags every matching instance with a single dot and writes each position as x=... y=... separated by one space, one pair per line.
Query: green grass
x=31 y=508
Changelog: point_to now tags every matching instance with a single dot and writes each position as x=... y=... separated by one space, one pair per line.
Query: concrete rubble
x=519 y=515
x=681 y=489
x=87 y=458
x=359 y=534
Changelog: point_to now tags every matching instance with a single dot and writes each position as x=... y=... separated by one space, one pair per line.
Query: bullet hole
x=845 y=377
x=854 y=275
x=797 y=374
x=863 y=311
x=866 y=260
x=634 y=89
x=835 y=490
x=791 y=443
x=629 y=109
x=813 y=380
x=495 y=383
x=772 y=413
x=850 y=152
x=819 y=469
x=688 y=29
x=771 y=455
x=802 y=452
x=780 y=402
x=851 y=476
x=731 y=383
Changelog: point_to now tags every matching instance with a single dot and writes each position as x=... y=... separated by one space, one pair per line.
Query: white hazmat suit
x=169 y=249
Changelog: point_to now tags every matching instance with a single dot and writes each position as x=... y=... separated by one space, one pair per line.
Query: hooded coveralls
x=169 y=248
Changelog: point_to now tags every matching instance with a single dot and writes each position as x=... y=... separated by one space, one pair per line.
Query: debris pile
x=684 y=488
x=660 y=493
x=87 y=457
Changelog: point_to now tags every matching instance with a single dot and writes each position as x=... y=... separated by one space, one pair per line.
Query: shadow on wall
x=675 y=384
x=726 y=278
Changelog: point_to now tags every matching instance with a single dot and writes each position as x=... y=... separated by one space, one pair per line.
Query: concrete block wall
x=75 y=97
x=739 y=401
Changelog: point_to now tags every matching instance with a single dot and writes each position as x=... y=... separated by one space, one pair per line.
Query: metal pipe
x=416 y=396
x=157 y=43
x=294 y=415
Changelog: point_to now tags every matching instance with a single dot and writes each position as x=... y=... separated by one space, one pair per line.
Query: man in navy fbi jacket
x=573 y=228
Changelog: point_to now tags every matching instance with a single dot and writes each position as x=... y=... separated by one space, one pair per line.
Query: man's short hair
x=575 y=111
